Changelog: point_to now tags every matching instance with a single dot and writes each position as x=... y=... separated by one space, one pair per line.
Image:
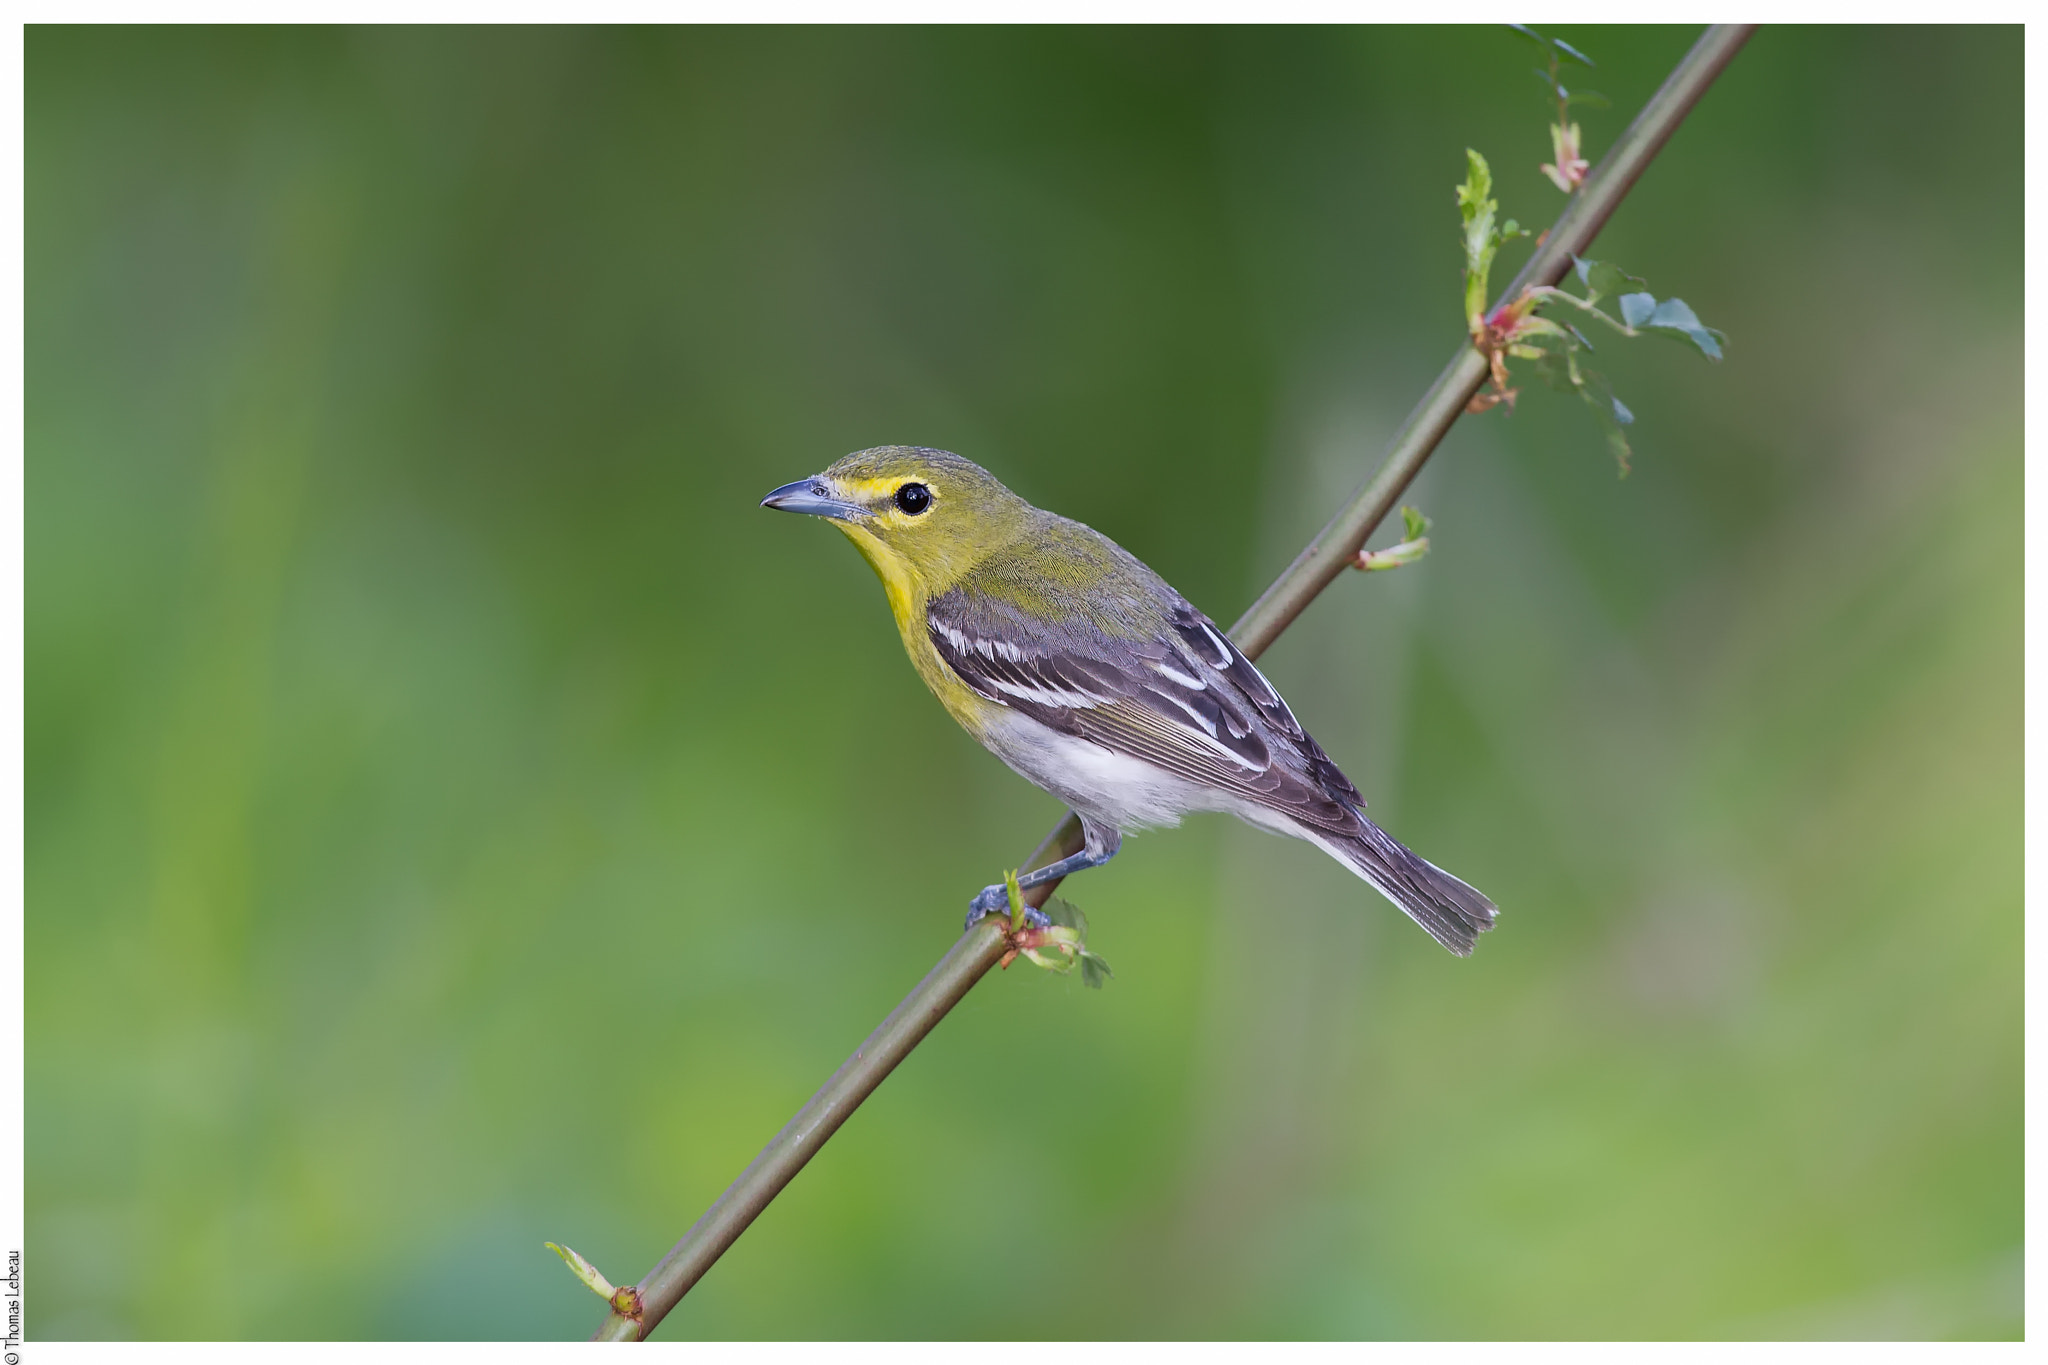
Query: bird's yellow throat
x=908 y=597
x=905 y=595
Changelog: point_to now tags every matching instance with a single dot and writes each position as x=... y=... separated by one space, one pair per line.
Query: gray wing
x=1186 y=699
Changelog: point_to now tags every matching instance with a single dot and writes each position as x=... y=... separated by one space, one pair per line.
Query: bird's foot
x=995 y=900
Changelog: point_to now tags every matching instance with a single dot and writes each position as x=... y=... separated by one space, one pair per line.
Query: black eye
x=913 y=498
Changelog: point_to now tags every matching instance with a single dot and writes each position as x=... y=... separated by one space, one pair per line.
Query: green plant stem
x=1326 y=556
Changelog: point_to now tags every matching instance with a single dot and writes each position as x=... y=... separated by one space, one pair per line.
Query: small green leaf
x=1065 y=914
x=1532 y=35
x=1637 y=308
x=1568 y=50
x=1550 y=83
x=1477 y=207
x=1602 y=278
x=1675 y=318
x=1394 y=556
x=1016 y=900
x=584 y=1271
x=1592 y=99
x=1612 y=414
x=1478 y=180
x=1533 y=327
x=1414 y=544
x=1065 y=946
x=1058 y=963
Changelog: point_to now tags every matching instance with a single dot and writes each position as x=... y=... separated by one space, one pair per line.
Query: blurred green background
x=457 y=817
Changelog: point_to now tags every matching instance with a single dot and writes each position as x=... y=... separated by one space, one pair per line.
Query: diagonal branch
x=1313 y=569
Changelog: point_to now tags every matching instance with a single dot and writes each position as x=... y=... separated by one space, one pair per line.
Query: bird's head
x=922 y=517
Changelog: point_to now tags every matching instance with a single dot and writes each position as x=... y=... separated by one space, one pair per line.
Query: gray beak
x=813 y=497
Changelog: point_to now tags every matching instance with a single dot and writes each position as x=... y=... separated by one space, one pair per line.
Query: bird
x=1080 y=668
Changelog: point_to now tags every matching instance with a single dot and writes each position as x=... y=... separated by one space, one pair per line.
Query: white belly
x=1112 y=788
x=1131 y=794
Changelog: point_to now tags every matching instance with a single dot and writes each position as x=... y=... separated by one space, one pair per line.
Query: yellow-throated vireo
x=1081 y=669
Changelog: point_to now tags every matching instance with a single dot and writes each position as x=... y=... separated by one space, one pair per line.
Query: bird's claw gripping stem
x=995 y=900
x=1102 y=846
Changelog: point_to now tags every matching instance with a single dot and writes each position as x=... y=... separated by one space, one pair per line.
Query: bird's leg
x=1103 y=842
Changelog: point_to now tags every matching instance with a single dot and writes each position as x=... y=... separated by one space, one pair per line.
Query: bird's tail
x=1452 y=912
